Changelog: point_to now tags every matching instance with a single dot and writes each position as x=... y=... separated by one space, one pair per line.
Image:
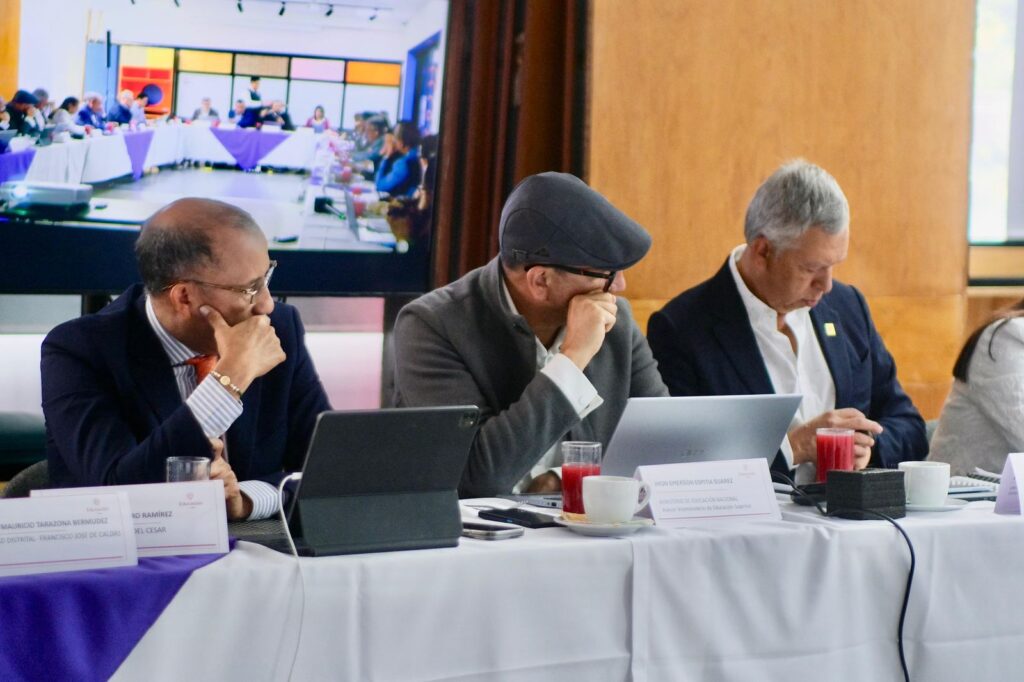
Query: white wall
x=53 y=50
x=348 y=364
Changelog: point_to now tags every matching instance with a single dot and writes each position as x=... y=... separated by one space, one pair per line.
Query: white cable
x=297 y=476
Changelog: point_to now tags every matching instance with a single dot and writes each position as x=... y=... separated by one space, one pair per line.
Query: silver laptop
x=698 y=429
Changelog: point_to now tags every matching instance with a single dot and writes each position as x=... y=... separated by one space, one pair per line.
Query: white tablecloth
x=107 y=159
x=59 y=162
x=99 y=159
x=199 y=144
x=803 y=597
x=295 y=152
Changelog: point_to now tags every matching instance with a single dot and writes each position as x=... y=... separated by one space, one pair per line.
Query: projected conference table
x=804 y=597
x=131 y=153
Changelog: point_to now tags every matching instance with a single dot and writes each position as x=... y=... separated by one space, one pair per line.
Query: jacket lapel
x=735 y=336
x=150 y=367
x=828 y=328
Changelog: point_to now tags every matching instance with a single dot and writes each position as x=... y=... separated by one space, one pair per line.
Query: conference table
x=804 y=597
x=102 y=158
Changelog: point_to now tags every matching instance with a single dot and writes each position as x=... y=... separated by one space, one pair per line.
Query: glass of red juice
x=579 y=459
x=835 y=451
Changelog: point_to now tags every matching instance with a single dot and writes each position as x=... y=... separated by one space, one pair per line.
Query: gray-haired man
x=772 y=320
x=536 y=338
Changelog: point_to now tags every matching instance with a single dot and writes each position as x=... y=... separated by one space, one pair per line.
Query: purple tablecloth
x=82 y=625
x=138 y=146
x=14 y=165
x=248 y=145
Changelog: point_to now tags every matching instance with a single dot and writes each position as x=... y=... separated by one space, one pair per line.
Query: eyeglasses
x=608 y=277
x=252 y=290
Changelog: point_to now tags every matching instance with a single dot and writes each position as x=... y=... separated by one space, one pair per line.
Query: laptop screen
x=698 y=429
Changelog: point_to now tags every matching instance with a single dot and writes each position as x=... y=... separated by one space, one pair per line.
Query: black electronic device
x=490 y=531
x=809 y=494
x=520 y=517
x=381 y=480
x=856 y=494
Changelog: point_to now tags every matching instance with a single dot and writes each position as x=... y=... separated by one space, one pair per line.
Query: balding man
x=196 y=361
x=772 y=320
x=537 y=338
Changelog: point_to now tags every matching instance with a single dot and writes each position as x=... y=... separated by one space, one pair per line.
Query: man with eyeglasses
x=537 y=338
x=197 y=360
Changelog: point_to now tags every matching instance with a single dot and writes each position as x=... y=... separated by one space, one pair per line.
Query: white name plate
x=1008 y=494
x=170 y=518
x=688 y=494
x=66 y=534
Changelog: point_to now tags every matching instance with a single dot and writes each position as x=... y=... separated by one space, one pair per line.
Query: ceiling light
x=330 y=10
x=280 y=12
x=177 y=3
x=373 y=17
x=239 y=5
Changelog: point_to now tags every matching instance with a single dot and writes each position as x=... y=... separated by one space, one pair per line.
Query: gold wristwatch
x=225 y=381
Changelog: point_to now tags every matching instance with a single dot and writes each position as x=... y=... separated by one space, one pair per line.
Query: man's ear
x=538 y=283
x=180 y=299
x=761 y=251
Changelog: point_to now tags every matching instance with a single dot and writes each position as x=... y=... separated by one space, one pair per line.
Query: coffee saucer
x=951 y=504
x=605 y=529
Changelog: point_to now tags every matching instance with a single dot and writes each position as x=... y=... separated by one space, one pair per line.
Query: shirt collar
x=176 y=350
x=759 y=312
x=556 y=345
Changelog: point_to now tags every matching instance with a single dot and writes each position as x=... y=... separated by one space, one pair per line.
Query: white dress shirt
x=802 y=371
x=569 y=379
x=213 y=406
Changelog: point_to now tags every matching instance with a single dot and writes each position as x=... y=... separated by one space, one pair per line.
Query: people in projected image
x=318 y=121
x=21 y=111
x=237 y=111
x=121 y=109
x=139 y=110
x=63 y=117
x=773 y=320
x=91 y=114
x=254 y=106
x=538 y=338
x=277 y=115
x=196 y=360
x=399 y=172
x=44 y=107
x=374 y=130
x=983 y=418
x=206 y=112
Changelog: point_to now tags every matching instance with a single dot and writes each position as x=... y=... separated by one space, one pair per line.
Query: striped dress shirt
x=214 y=408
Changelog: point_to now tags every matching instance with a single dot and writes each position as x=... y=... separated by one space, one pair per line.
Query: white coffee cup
x=613 y=499
x=927 y=483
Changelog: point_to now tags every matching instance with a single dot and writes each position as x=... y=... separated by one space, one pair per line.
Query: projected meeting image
x=324 y=127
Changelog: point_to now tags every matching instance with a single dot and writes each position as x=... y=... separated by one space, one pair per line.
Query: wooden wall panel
x=694 y=102
x=10 y=37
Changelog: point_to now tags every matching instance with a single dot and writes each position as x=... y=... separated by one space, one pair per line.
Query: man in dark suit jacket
x=127 y=388
x=773 y=320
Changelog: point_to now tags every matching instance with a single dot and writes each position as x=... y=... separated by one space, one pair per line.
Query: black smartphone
x=520 y=517
x=490 y=531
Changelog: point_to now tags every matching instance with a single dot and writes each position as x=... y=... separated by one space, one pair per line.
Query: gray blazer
x=461 y=345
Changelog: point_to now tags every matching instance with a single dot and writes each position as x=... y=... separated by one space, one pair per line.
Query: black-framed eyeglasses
x=608 y=277
x=252 y=290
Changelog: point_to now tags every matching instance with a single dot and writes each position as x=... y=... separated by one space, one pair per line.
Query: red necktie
x=203 y=365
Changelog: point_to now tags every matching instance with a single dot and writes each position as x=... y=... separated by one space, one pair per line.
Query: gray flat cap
x=556 y=218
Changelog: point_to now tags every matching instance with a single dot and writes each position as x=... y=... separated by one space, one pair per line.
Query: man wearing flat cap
x=22 y=110
x=536 y=338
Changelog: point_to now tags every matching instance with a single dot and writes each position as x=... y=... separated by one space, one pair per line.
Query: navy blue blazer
x=704 y=345
x=114 y=414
